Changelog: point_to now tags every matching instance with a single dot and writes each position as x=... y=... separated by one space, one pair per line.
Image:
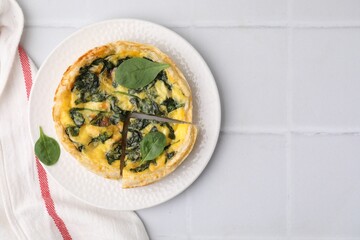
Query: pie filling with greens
x=93 y=110
x=154 y=149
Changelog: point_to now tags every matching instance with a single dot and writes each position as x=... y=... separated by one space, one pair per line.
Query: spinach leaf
x=101 y=138
x=163 y=77
x=152 y=146
x=86 y=82
x=134 y=138
x=120 y=61
x=72 y=131
x=77 y=117
x=101 y=120
x=79 y=146
x=87 y=109
x=47 y=149
x=142 y=167
x=107 y=65
x=137 y=72
x=133 y=91
x=167 y=147
x=154 y=129
x=151 y=93
x=171 y=134
x=127 y=94
x=116 y=118
x=114 y=154
x=84 y=97
x=113 y=107
x=171 y=104
x=135 y=102
x=98 y=97
x=139 y=124
x=134 y=155
x=149 y=107
x=118 y=114
x=170 y=155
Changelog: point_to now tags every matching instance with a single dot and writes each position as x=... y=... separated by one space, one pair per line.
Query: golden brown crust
x=131 y=180
x=62 y=104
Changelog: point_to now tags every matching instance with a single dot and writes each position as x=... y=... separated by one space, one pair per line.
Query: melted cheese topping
x=178 y=95
x=178 y=114
x=97 y=152
x=124 y=102
x=162 y=91
x=65 y=117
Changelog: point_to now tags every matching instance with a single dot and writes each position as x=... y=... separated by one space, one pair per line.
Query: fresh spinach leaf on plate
x=47 y=149
x=136 y=73
x=152 y=146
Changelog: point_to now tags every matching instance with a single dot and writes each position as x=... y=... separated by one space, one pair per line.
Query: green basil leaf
x=137 y=72
x=47 y=149
x=152 y=145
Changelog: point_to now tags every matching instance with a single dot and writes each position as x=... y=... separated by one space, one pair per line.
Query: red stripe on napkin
x=43 y=180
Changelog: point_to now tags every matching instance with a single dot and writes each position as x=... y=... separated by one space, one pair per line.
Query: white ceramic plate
x=107 y=193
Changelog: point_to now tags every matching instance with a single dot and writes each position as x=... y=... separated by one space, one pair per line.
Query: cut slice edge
x=139 y=115
x=123 y=142
x=135 y=179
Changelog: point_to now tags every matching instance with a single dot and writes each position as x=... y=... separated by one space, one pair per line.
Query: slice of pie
x=180 y=138
x=91 y=106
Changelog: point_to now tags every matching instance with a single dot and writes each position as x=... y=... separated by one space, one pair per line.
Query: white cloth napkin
x=11 y=27
x=32 y=204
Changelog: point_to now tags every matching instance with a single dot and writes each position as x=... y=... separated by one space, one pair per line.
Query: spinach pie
x=94 y=103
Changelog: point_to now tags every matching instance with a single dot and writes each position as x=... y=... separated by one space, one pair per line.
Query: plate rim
x=191 y=47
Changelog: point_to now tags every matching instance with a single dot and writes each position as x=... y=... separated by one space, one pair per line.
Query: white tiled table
x=287 y=165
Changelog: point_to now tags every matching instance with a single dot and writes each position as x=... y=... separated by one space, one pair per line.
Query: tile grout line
x=297 y=131
x=220 y=237
x=277 y=24
x=289 y=104
x=333 y=133
x=253 y=131
x=229 y=24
